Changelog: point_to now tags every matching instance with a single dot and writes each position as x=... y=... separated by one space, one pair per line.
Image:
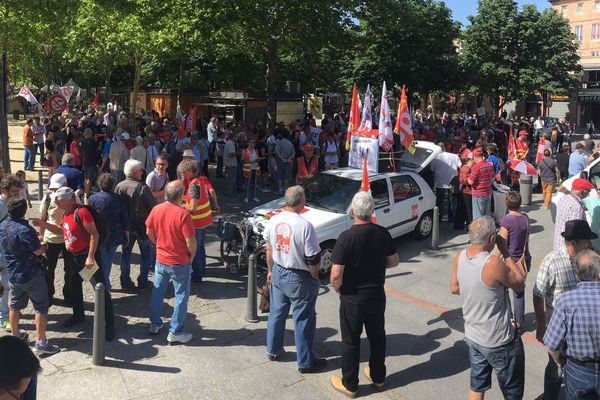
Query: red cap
x=582 y=184
x=523 y=132
x=308 y=147
x=466 y=155
x=477 y=153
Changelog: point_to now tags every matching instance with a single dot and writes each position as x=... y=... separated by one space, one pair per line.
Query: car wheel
x=425 y=226
x=326 y=253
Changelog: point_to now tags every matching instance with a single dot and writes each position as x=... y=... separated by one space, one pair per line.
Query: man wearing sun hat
x=570 y=206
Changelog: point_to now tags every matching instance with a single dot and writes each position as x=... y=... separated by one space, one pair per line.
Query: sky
x=461 y=9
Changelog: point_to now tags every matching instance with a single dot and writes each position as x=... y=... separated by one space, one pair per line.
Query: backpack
x=99 y=220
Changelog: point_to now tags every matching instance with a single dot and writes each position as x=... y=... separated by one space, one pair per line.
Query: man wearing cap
x=49 y=211
x=557 y=275
x=576 y=322
x=570 y=206
x=521 y=145
x=308 y=165
x=577 y=160
x=480 y=179
x=81 y=242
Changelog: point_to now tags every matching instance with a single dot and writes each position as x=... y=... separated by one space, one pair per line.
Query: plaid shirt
x=569 y=207
x=576 y=319
x=555 y=276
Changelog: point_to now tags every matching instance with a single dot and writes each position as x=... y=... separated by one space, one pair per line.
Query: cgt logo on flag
x=27 y=95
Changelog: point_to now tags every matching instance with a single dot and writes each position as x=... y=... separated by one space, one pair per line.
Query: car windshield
x=414 y=160
x=330 y=192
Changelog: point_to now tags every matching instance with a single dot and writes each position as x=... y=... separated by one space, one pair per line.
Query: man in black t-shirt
x=90 y=153
x=360 y=257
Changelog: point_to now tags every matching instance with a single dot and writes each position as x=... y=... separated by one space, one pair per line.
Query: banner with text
x=361 y=147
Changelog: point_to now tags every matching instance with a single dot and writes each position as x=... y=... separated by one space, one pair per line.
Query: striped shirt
x=576 y=319
x=568 y=207
x=482 y=175
x=555 y=276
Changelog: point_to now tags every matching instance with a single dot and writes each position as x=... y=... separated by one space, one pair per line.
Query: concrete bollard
x=99 y=339
x=251 y=306
x=40 y=184
x=435 y=232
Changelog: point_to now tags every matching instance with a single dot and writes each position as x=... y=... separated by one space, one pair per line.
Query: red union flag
x=354 y=119
x=386 y=136
x=26 y=93
x=404 y=124
x=365 y=185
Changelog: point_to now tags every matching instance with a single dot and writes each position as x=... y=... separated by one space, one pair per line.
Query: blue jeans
x=581 y=382
x=146 y=254
x=29 y=159
x=180 y=275
x=4 y=298
x=481 y=206
x=295 y=288
x=199 y=262
x=507 y=361
x=106 y=255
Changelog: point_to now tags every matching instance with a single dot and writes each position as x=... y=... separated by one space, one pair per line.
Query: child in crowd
x=24 y=188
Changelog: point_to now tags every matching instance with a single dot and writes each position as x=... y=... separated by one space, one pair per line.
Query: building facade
x=584 y=18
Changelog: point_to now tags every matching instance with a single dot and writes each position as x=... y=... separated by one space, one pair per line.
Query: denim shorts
x=34 y=290
x=507 y=361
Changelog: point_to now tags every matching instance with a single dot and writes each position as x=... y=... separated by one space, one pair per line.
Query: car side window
x=404 y=187
x=380 y=193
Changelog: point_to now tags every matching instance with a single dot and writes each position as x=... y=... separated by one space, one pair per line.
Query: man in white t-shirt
x=293 y=257
x=445 y=167
x=538 y=125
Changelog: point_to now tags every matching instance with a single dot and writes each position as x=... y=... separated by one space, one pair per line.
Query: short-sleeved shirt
x=76 y=240
x=19 y=240
x=53 y=214
x=362 y=250
x=556 y=275
x=568 y=207
x=284 y=149
x=73 y=175
x=445 y=166
x=115 y=212
x=172 y=224
x=89 y=151
x=229 y=149
x=547 y=168
x=517 y=227
x=577 y=163
x=292 y=239
x=27 y=136
x=483 y=174
x=157 y=183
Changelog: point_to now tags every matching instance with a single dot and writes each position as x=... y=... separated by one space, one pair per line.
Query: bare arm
x=213 y=196
x=94 y=239
x=558 y=357
x=151 y=235
x=41 y=250
x=337 y=275
x=540 y=317
x=192 y=246
x=43 y=225
x=392 y=261
x=497 y=272
x=454 y=287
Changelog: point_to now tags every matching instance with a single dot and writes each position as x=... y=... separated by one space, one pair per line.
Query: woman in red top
x=75 y=149
x=464 y=209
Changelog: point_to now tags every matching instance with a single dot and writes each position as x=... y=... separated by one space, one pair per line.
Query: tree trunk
x=270 y=77
x=136 y=81
x=4 y=141
x=181 y=82
x=107 y=83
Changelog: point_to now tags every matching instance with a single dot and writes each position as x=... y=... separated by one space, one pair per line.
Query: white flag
x=26 y=93
x=386 y=135
x=67 y=92
x=366 y=122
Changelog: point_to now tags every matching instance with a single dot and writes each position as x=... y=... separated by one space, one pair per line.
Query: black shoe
x=109 y=334
x=73 y=320
x=275 y=358
x=128 y=286
x=317 y=365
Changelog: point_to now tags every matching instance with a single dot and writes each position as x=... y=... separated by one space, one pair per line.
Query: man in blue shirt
x=576 y=321
x=577 y=160
x=73 y=175
x=25 y=278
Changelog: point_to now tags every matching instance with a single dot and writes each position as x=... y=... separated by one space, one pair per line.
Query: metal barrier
x=40 y=184
x=435 y=232
x=99 y=339
x=251 y=306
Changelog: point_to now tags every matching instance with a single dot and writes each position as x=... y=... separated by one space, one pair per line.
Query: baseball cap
x=582 y=184
x=523 y=132
x=63 y=193
x=125 y=136
x=466 y=155
x=57 y=181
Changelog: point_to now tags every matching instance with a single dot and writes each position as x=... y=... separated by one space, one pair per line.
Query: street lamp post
x=48 y=49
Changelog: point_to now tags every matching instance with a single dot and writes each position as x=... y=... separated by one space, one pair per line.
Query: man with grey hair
x=293 y=258
x=481 y=279
x=73 y=175
x=360 y=257
x=576 y=321
x=139 y=200
x=170 y=228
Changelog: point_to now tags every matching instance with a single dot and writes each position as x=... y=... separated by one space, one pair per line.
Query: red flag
x=404 y=124
x=512 y=148
x=354 y=118
x=96 y=101
x=365 y=185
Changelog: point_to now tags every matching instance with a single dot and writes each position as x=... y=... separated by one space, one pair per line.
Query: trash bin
x=526 y=188
x=499 y=194
x=443 y=202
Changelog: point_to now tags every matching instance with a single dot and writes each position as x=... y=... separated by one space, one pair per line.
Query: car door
x=381 y=197
x=406 y=197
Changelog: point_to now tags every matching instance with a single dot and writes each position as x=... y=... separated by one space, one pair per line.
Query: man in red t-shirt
x=81 y=241
x=170 y=228
x=481 y=177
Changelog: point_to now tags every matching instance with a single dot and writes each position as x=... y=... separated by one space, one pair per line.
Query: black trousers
x=367 y=308
x=77 y=263
x=52 y=254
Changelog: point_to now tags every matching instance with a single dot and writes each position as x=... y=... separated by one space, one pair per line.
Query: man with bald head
x=170 y=228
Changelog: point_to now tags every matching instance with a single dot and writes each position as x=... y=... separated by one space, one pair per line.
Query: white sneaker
x=246 y=200
x=256 y=199
x=154 y=329
x=179 y=337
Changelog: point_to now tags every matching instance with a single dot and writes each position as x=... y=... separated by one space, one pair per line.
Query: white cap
x=63 y=193
x=57 y=181
x=188 y=153
x=125 y=136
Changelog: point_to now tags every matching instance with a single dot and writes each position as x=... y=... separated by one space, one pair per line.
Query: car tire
x=425 y=226
x=326 y=253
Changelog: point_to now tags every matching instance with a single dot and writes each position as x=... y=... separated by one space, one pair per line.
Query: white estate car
x=403 y=204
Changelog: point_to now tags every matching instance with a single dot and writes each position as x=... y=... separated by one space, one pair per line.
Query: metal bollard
x=251 y=310
x=40 y=185
x=99 y=339
x=435 y=232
